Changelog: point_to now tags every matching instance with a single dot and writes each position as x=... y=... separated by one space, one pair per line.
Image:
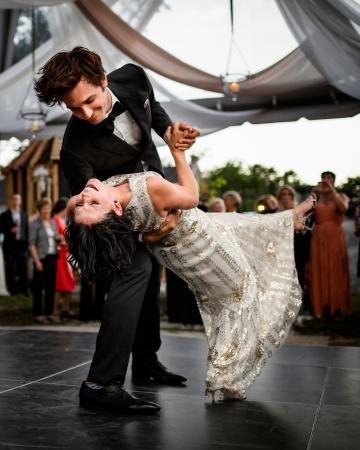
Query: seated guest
x=43 y=237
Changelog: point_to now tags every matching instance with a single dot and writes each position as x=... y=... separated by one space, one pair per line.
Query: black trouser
x=92 y=298
x=15 y=261
x=130 y=321
x=44 y=283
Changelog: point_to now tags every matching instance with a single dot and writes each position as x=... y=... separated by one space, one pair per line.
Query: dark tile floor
x=307 y=397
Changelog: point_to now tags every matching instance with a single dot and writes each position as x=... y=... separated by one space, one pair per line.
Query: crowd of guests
x=49 y=277
x=320 y=257
x=320 y=249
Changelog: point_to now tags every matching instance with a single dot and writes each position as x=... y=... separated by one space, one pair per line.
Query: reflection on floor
x=308 y=397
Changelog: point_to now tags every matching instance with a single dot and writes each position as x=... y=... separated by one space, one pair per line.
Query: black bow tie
x=108 y=123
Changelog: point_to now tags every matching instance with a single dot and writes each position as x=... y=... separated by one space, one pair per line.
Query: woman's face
x=217 y=207
x=286 y=198
x=45 y=212
x=327 y=180
x=230 y=203
x=93 y=203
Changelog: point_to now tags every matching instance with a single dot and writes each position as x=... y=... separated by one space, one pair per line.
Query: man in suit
x=109 y=133
x=14 y=227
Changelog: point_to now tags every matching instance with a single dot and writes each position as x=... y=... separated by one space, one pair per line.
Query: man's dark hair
x=64 y=71
x=101 y=249
x=327 y=172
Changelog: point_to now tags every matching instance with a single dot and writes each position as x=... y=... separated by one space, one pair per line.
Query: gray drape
x=328 y=33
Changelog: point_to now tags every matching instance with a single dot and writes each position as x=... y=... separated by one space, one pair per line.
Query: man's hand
x=167 y=226
x=185 y=135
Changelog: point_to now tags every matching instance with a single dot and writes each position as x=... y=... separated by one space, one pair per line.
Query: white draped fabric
x=328 y=32
x=292 y=76
x=69 y=28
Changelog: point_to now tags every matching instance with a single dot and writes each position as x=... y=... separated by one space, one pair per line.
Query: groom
x=108 y=134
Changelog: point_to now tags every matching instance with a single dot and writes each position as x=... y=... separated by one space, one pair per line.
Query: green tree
x=251 y=182
x=351 y=187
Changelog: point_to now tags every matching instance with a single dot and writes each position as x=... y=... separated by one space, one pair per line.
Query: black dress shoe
x=114 y=398
x=155 y=373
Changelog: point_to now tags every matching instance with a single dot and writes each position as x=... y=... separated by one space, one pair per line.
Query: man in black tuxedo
x=109 y=133
x=14 y=227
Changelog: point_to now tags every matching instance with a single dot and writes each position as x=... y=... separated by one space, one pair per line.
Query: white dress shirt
x=125 y=126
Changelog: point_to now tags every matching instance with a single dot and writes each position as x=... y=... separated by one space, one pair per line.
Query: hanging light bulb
x=32 y=111
x=232 y=84
x=232 y=81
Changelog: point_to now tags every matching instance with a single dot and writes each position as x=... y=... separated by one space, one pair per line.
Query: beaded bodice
x=140 y=209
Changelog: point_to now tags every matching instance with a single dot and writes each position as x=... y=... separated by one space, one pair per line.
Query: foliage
x=351 y=188
x=251 y=182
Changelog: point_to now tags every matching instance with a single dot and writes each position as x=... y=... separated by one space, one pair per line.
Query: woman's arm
x=341 y=200
x=35 y=256
x=166 y=195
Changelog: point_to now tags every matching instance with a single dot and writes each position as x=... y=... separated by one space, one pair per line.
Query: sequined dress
x=241 y=269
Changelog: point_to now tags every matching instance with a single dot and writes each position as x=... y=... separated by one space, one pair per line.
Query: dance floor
x=308 y=397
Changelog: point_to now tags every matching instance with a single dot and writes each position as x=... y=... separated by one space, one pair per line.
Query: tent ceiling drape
x=289 y=89
x=328 y=32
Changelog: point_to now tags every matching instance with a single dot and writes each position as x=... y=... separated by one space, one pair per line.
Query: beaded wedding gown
x=241 y=269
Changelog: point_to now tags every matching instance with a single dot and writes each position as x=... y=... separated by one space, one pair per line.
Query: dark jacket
x=6 y=224
x=89 y=151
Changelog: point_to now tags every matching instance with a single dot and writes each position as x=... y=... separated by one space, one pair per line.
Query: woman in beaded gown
x=240 y=267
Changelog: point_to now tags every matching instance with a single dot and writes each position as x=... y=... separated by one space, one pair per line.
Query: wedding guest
x=232 y=200
x=65 y=279
x=217 y=205
x=266 y=204
x=14 y=227
x=286 y=197
x=329 y=266
x=43 y=238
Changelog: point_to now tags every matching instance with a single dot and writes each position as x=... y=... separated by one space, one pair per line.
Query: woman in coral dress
x=329 y=266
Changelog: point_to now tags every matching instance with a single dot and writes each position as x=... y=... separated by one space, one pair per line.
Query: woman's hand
x=39 y=266
x=181 y=136
x=166 y=227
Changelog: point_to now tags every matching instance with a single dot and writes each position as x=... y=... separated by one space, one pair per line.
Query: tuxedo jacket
x=90 y=151
x=6 y=224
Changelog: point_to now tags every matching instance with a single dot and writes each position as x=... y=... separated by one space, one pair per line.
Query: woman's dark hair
x=59 y=206
x=101 y=249
x=328 y=172
x=63 y=72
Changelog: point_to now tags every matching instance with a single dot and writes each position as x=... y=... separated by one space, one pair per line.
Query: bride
x=240 y=267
